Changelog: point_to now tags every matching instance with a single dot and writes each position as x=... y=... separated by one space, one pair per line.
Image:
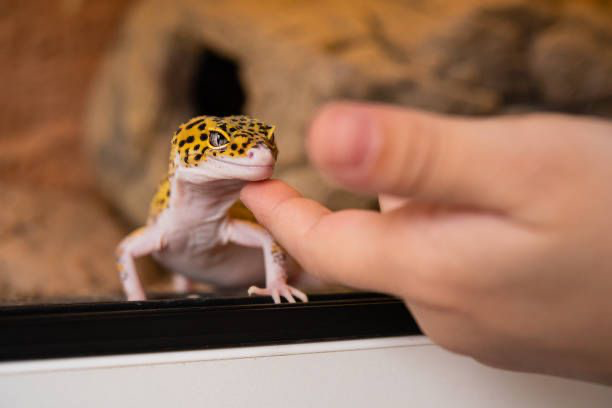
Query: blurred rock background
x=57 y=234
x=93 y=89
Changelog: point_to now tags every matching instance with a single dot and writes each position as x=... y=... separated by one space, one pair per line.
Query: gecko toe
x=299 y=294
x=288 y=292
x=287 y=295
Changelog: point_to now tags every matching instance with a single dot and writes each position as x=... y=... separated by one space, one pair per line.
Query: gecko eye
x=217 y=139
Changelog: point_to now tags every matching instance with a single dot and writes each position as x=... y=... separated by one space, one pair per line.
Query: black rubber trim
x=96 y=329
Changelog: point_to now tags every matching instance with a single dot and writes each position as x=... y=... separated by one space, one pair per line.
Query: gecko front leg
x=141 y=242
x=253 y=235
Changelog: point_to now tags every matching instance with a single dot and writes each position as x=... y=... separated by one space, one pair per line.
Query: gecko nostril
x=251 y=154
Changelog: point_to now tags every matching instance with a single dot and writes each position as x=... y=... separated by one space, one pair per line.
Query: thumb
x=382 y=149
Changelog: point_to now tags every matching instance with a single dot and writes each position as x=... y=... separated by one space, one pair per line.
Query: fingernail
x=347 y=140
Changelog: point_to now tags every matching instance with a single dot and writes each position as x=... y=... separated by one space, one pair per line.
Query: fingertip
x=343 y=137
x=262 y=194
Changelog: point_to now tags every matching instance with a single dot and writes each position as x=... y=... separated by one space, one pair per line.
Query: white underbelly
x=224 y=266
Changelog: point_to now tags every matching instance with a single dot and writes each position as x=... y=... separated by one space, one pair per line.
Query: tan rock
x=50 y=51
x=49 y=155
x=572 y=63
x=56 y=246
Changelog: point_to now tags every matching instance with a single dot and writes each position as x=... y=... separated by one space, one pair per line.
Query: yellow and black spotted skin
x=203 y=137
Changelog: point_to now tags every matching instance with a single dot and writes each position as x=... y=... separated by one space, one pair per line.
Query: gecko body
x=197 y=228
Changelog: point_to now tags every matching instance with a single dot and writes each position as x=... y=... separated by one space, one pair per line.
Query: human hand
x=497 y=232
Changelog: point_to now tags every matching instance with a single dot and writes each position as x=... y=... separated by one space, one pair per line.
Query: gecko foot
x=277 y=290
x=136 y=297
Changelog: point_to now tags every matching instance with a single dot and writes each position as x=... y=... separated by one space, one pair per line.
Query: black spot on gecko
x=190 y=139
x=234 y=146
x=198 y=156
x=202 y=126
x=203 y=137
x=192 y=124
x=245 y=144
x=182 y=143
x=241 y=151
x=196 y=147
x=186 y=159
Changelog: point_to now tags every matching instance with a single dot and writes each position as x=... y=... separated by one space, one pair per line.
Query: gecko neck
x=204 y=200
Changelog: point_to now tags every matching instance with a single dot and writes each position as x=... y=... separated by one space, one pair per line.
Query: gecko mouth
x=244 y=165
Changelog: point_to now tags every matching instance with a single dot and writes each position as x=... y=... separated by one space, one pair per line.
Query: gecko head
x=231 y=147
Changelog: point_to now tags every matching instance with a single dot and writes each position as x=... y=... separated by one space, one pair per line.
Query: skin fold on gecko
x=197 y=228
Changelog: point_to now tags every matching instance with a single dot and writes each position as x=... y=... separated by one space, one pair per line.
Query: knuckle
x=419 y=154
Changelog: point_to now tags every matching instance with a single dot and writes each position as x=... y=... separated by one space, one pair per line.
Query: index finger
x=344 y=246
